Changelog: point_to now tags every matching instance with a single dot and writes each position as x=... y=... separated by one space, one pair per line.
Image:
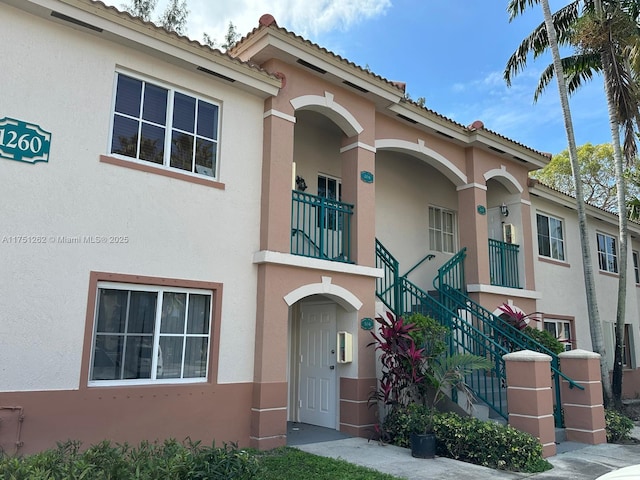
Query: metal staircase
x=473 y=329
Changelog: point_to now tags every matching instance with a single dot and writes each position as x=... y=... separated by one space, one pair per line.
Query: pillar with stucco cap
x=583 y=409
x=529 y=396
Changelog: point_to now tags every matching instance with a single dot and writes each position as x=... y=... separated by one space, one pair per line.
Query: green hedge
x=168 y=460
x=470 y=440
x=618 y=426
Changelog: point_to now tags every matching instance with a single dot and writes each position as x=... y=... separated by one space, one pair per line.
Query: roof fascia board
x=437 y=124
x=314 y=55
x=182 y=51
x=487 y=138
x=567 y=201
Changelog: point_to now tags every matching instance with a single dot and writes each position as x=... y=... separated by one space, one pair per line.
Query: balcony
x=320 y=227
x=503 y=264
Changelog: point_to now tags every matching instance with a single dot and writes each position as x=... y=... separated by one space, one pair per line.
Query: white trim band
x=279 y=114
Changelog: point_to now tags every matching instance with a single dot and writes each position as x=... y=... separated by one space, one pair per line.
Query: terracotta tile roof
x=182 y=38
x=268 y=21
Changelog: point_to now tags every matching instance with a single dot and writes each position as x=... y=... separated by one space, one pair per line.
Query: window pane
x=195 y=358
x=181 y=151
x=142 y=312
x=205 y=157
x=125 y=136
x=171 y=354
x=173 y=312
x=152 y=144
x=106 y=357
x=207 y=120
x=112 y=311
x=137 y=357
x=155 y=104
x=184 y=112
x=198 y=318
x=128 y=94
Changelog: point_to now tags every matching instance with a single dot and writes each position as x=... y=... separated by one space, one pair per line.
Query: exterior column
x=474 y=232
x=529 y=396
x=358 y=188
x=583 y=409
x=277 y=166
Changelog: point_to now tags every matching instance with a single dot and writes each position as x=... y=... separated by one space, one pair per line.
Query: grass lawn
x=291 y=464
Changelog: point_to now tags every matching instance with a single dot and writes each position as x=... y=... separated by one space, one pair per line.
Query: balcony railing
x=503 y=264
x=320 y=227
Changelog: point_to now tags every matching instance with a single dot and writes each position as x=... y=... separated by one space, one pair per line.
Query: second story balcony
x=503 y=264
x=320 y=227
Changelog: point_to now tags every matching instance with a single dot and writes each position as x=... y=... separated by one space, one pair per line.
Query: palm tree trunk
x=616 y=380
x=595 y=326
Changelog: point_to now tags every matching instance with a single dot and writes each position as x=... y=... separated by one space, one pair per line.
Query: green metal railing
x=452 y=272
x=503 y=264
x=320 y=227
x=508 y=337
x=403 y=298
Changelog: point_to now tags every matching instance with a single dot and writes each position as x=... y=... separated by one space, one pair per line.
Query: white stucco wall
x=62 y=79
x=562 y=285
x=405 y=188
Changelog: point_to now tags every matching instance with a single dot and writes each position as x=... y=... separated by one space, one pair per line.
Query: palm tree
x=607 y=39
x=515 y=8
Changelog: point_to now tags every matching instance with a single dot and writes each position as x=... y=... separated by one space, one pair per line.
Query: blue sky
x=452 y=52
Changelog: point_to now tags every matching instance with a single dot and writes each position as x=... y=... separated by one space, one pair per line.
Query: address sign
x=23 y=141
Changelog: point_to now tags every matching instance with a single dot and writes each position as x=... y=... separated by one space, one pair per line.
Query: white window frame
x=437 y=233
x=172 y=90
x=565 y=325
x=160 y=290
x=636 y=267
x=552 y=239
x=607 y=260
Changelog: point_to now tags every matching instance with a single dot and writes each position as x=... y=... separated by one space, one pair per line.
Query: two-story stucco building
x=204 y=238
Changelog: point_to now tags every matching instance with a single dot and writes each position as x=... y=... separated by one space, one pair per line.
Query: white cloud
x=304 y=17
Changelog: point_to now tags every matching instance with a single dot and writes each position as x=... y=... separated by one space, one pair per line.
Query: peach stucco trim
x=161 y=171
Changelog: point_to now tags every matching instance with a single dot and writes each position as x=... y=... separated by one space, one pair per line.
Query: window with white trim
x=636 y=270
x=442 y=230
x=147 y=334
x=160 y=125
x=550 y=237
x=607 y=253
x=561 y=330
x=331 y=189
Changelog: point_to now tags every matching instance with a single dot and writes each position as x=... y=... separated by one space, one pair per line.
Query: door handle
x=332 y=367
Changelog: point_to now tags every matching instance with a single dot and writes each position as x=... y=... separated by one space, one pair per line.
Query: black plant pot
x=423 y=445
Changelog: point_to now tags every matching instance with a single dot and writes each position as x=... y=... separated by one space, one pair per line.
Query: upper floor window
x=442 y=237
x=164 y=126
x=607 y=253
x=147 y=334
x=550 y=237
x=636 y=269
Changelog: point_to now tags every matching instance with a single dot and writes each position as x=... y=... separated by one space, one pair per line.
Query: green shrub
x=170 y=459
x=545 y=338
x=428 y=334
x=488 y=444
x=618 y=426
x=470 y=440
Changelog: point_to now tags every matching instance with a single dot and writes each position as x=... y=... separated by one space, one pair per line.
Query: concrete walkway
x=581 y=462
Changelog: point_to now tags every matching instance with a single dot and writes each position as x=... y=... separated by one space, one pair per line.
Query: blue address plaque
x=366 y=177
x=23 y=141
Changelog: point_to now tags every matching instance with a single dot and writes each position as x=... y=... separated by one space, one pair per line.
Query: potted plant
x=417 y=376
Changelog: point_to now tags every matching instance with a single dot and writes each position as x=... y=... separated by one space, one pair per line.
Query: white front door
x=317 y=395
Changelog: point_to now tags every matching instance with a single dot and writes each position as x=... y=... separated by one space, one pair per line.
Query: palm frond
x=537 y=42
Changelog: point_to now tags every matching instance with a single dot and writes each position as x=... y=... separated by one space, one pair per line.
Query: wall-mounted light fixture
x=300 y=183
x=504 y=210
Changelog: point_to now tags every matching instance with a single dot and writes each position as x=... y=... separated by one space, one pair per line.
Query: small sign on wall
x=366 y=177
x=23 y=141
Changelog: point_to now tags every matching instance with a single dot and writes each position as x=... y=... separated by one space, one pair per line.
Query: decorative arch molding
x=341 y=295
x=505 y=178
x=330 y=109
x=427 y=155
